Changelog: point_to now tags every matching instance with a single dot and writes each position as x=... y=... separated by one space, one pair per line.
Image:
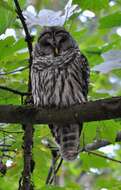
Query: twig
x=53 y=169
x=17 y=132
x=28 y=39
x=55 y=158
x=14 y=91
x=28 y=36
x=5 y=145
x=103 y=156
x=14 y=71
x=56 y=170
x=101 y=143
x=7 y=150
x=6 y=156
x=49 y=175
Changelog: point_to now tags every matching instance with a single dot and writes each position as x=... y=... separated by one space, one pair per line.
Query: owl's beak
x=56 y=51
x=55 y=47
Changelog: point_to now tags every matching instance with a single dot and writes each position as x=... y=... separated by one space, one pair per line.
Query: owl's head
x=54 y=41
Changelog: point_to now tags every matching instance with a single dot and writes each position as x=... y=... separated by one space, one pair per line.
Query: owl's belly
x=58 y=88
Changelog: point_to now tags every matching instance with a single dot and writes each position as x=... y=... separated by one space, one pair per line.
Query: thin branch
x=56 y=170
x=14 y=91
x=51 y=174
x=101 y=143
x=55 y=157
x=16 y=132
x=28 y=36
x=5 y=145
x=28 y=39
x=103 y=109
x=103 y=156
x=6 y=156
x=14 y=71
x=7 y=150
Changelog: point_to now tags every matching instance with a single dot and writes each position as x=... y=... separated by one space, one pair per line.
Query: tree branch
x=101 y=143
x=25 y=182
x=14 y=71
x=103 y=156
x=28 y=38
x=14 y=91
x=103 y=109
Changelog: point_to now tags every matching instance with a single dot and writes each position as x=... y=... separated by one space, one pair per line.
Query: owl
x=60 y=77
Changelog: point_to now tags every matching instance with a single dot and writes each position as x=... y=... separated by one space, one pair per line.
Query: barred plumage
x=60 y=79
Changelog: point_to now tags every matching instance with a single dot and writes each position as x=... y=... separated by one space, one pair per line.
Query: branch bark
x=103 y=109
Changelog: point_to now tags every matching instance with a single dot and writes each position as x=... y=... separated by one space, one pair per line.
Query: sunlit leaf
x=111 y=20
x=94 y=5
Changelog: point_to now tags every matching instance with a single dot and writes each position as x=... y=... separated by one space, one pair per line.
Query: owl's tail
x=68 y=139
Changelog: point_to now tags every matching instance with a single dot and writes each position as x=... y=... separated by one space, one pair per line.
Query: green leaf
x=89 y=132
x=5 y=5
x=94 y=5
x=108 y=183
x=111 y=20
x=53 y=188
x=90 y=160
x=47 y=187
x=7 y=42
x=108 y=130
x=7 y=17
x=9 y=46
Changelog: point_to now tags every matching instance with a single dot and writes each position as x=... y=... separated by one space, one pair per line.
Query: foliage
x=95 y=35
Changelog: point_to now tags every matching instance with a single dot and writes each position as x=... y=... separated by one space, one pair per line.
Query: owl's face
x=54 y=41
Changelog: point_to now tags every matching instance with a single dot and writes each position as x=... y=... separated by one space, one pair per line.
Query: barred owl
x=59 y=76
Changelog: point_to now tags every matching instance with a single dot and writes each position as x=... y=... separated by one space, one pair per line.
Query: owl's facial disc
x=54 y=41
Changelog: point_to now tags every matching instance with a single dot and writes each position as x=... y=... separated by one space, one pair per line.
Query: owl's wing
x=85 y=72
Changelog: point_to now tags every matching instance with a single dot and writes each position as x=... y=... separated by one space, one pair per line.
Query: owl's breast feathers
x=60 y=81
